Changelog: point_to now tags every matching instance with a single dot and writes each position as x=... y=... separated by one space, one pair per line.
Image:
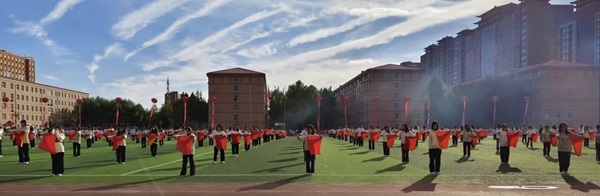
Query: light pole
x=495 y=100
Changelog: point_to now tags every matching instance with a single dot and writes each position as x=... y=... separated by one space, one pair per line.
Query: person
x=386 y=131
x=218 y=132
x=143 y=138
x=372 y=131
x=596 y=138
x=76 y=141
x=504 y=146
x=454 y=137
x=23 y=146
x=247 y=139
x=32 y=136
x=467 y=135
x=58 y=159
x=565 y=147
x=309 y=159
x=235 y=140
x=1 y=136
x=188 y=157
x=89 y=134
x=416 y=131
x=530 y=132
x=496 y=132
x=255 y=132
x=122 y=148
x=359 y=132
x=523 y=136
x=435 y=152
x=586 y=136
x=545 y=137
x=153 y=140
x=161 y=138
x=404 y=145
x=200 y=135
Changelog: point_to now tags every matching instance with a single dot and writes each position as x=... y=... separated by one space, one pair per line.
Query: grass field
x=282 y=161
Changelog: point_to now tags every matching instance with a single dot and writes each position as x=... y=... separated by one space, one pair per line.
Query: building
x=17 y=67
x=561 y=92
x=392 y=84
x=171 y=96
x=241 y=97
x=580 y=35
x=470 y=44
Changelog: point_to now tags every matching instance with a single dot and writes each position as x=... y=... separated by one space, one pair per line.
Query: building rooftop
x=393 y=67
x=556 y=64
x=236 y=70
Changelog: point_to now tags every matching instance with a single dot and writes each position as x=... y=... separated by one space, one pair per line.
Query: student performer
x=467 y=135
x=565 y=147
x=235 y=136
x=504 y=146
x=435 y=152
x=89 y=134
x=310 y=159
x=530 y=132
x=596 y=138
x=218 y=132
x=545 y=137
x=404 y=145
x=76 y=141
x=122 y=148
x=188 y=157
x=58 y=159
x=153 y=140
x=386 y=131
x=23 y=145
x=372 y=130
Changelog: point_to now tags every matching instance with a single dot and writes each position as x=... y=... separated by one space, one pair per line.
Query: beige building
x=392 y=84
x=241 y=97
x=25 y=95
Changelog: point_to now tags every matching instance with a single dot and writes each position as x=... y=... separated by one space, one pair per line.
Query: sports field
x=281 y=161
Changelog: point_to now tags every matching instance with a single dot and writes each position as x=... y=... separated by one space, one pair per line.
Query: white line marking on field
x=267 y=175
x=147 y=168
x=524 y=187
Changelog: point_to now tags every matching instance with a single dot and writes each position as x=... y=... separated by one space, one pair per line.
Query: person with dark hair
x=32 y=136
x=435 y=151
x=22 y=141
x=371 y=131
x=218 y=132
x=308 y=157
x=504 y=146
x=360 y=130
x=58 y=159
x=405 y=132
x=247 y=138
x=545 y=137
x=120 y=139
x=153 y=141
x=597 y=139
x=565 y=147
x=467 y=135
x=454 y=137
x=530 y=132
x=496 y=132
x=89 y=138
x=235 y=136
x=188 y=157
x=586 y=136
x=384 y=133
x=76 y=141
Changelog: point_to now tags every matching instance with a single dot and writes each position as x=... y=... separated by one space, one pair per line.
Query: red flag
x=87 y=136
x=577 y=142
x=19 y=138
x=426 y=134
x=475 y=140
x=458 y=134
x=201 y=136
x=117 y=140
x=363 y=135
x=592 y=135
x=139 y=135
x=513 y=138
x=72 y=135
x=31 y=136
x=482 y=133
x=443 y=138
x=314 y=144
x=221 y=142
x=247 y=139
x=553 y=139
x=12 y=136
x=47 y=143
x=235 y=138
x=161 y=136
x=390 y=140
x=534 y=137
x=151 y=138
x=410 y=143
x=375 y=136
x=419 y=135
x=268 y=94
x=184 y=144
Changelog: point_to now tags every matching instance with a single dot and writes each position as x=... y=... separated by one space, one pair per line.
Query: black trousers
x=58 y=163
x=235 y=149
x=386 y=149
x=161 y=142
x=371 y=145
x=23 y=153
x=201 y=143
x=360 y=142
x=186 y=159
x=247 y=147
x=89 y=143
x=454 y=140
x=121 y=154
x=153 y=149
x=310 y=162
x=0 y=146
x=32 y=143
x=435 y=160
x=564 y=161
x=546 y=149
x=504 y=154
x=255 y=142
x=259 y=140
x=467 y=148
x=76 y=149
x=586 y=142
x=14 y=142
x=524 y=138
x=211 y=142
x=497 y=144
x=219 y=151
x=351 y=139
x=597 y=151
x=529 y=143
x=404 y=153
x=144 y=142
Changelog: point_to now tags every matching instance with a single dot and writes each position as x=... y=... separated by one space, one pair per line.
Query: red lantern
x=345 y=99
x=184 y=98
x=376 y=98
x=319 y=98
x=407 y=98
x=495 y=99
x=45 y=100
x=79 y=101
x=527 y=99
x=154 y=100
x=119 y=100
x=213 y=99
x=5 y=99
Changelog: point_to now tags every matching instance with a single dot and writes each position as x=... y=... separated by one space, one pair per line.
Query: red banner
x=151 y=138
x=184 y=144
x=534 y=137
x=184 y=113
x=443 y=138
x=117 y=140
x=390 y=140
x=375 y=136
x=458 y=134
x=247 y=140
x=363 y=135
x=221 y=142
x=419 y=135
x=482 y=133
x=161 y=136
x=513 y=138
x=212 y=115
x=235 y=138
x=254 y=135
x=47 y=143
x=72 y=135
x=87 y=136
x=577 y=142
x=19 y=138
x=553 y=139
x=592 y=135
x=314 y=144
x=410 y=143
x=139 y=135
x=475 y=140
x=151 y=114
x=31 y=136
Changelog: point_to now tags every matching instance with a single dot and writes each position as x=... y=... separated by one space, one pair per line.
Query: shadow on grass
x=550 y=159
x=21 y=179
x=359 y=153
x=124 y=186
x=374 y=159
x=289 y=153
x=278 y=169
x=273 y=185
x=284 y=160
x=351 y=148
x=578 y=185
x=424 y=185
x=505 y=168
x=464 y=159
x=394 y=168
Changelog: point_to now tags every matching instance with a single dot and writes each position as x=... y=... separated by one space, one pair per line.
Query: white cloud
x=134 y=21
x=37 y=29
x=258 y=52
x=114 y=49
x=168 y=33
x=49 y=77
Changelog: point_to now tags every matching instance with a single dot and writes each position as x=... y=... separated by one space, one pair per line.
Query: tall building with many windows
x=17 y=67
x=241 y=97
x=580 y=35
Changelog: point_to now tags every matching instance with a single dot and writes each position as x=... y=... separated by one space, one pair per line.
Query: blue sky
x=128 y=48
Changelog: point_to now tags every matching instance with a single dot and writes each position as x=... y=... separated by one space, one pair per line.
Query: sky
x=128 y=48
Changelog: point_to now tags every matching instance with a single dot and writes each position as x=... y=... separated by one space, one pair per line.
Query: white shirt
x=503 y=137
x=1 y=133
x=433 y=141
x=403 y=135
x=60 y=147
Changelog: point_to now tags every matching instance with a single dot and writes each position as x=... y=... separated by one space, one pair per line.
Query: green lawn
x=282 y=161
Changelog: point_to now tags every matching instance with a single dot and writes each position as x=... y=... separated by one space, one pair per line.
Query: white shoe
x=222 y=162
x=1 y=157
x=32 y=148
x=59 y=174
x=27 y=163
x=562 y=173
x=567 y=173
x=432 y=173
x=214 y=162
x=437 y=173
x=123 y=163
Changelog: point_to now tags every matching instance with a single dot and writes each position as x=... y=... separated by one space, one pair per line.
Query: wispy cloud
x=134 y=21
x=258 y=52
x=168 y=33
x=110 y=51
x=49 y=77
x=37 y=29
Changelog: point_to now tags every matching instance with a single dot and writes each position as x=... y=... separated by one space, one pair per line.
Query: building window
x=11 y=86
x=3 y=84
x=236 y=79
x=236 y=108
x=4 y=116
x=396 y=116
x=396 y=75
x=557 y=114
x=570 y=115
x=397 y=105
x=235 y=89
x=235 y=98
x=396 y=85
x=235 y=117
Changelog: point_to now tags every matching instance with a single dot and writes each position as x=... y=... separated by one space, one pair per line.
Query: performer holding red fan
x=312 y=147
x=235 y=140
x=220 y=138
x=185 y=145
